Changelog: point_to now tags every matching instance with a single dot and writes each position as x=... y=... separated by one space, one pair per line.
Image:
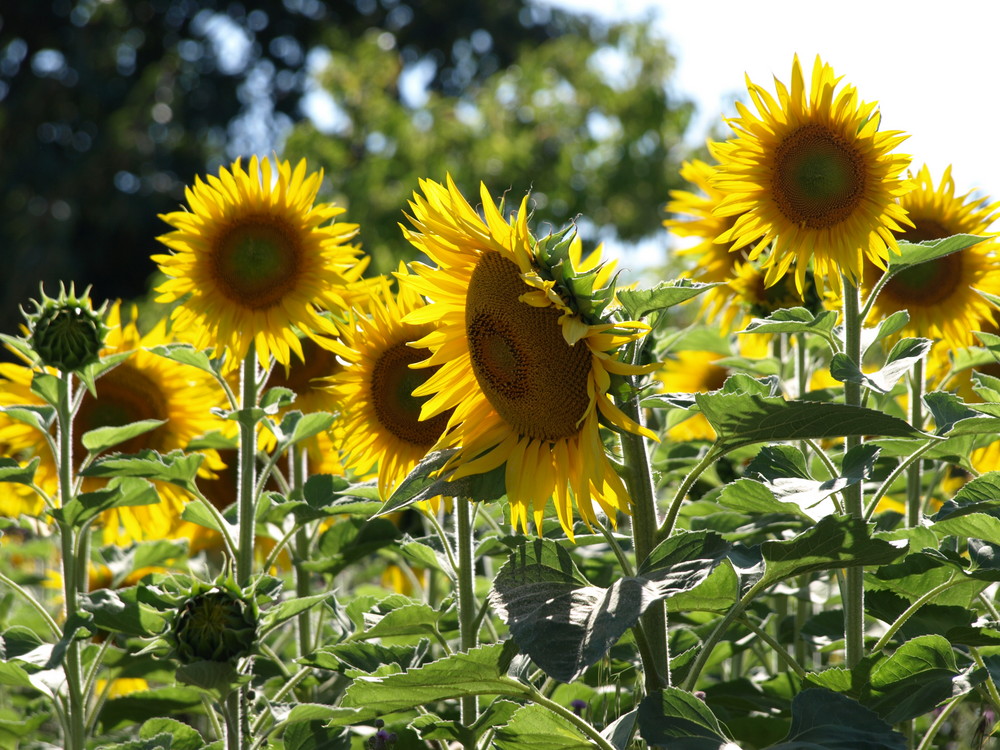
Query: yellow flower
x=811 y=173
x=941 y=295
x=527 y=378
x=692 y=371
x=254 y=258
x=380 y=414
x=143 y=386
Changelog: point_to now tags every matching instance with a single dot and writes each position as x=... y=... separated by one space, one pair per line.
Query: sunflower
x=692 y=371
x=380 y=414
x=811 y=173
x=254 y=258
x=523 y=372
x=941 y=295
x=143 y=386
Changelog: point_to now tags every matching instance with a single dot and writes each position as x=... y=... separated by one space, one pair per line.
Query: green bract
x=215 y=625
x=66 y=332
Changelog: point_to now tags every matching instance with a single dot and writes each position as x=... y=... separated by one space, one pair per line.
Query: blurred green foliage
x=109 y=107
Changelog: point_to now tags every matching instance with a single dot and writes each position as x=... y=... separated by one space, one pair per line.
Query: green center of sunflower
x=536 y=382
x=819 y=178
x=396 y=408
x=257 y=261
x=925 y=284
x=124 y=395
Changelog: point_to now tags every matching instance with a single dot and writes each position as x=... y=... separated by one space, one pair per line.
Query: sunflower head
x=255 y=258
x=524 y=354
x=66 y=332
x=811 y=173
x=941 y=295
x=215 y=623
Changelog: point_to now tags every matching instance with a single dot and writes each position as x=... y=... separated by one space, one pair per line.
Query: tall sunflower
x=525 y=373
x=254 y=258
x=812 y=173
x=380 y=414
x=940 y=295
x=143 y=386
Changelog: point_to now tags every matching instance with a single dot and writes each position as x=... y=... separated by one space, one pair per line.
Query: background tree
x=108 y=107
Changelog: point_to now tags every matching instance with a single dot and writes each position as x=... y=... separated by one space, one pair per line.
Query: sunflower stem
x=645 y=527
x=75 y=714
x=298 y=465
x=914 y=497
x=854 y=587
x=467 y=608
x=247 y=468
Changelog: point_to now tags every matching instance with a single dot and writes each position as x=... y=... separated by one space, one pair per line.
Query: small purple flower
x=578 y=705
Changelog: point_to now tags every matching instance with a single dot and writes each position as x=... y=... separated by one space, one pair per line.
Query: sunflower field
x=500 y=498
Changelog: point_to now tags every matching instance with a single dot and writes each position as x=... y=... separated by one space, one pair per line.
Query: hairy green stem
x=776 y=647
x=854 y=589
x=645 y=527
x=36 y=605
x=928 y=740
x=298 y=470
x=467 y=608
x=894 y=474
x=246 y=500
x=713 y=639
x=76 y=711
x=914 y=496
x=909 y=611
x=584 y=726
x=712 y=455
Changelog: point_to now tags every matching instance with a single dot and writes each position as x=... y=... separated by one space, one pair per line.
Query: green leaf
x=979 y=495
x=182 y=736
x=534 y=727
x=412 y=619
x=913 y=254
x=121 y=612
x=479 y=671
x=426 y=482
x=639 y=303
x=216 y=678
x=972 y=525
x=89 y=374
x=809 y=494
x=564 y=626
x=288 y=609
x=754 y=498
x=743 y=419
x=794 y=320
x=315 y=735
x=12 y=471
x=824 y=720
x=198 y=514
x=120 y=492
x=176 y=467
x=949 y=410
x=102 y=438
x=900 y=361
x=834 y=542
x=46 y=387
x=296 y=427
x=893 y=324
x=919 y=676
x=186 y=354
x=40 y=417
x=276 y=397
x=349 y=540
x=135 y=708
x=366 y=657
x=674 y=718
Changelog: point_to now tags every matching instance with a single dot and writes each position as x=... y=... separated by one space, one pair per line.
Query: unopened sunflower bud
x=66 y=332
x=215 y=625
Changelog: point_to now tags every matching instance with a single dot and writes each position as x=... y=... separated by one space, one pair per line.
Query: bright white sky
x=931 y=65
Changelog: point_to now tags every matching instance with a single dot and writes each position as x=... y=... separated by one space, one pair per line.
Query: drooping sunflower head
x=811 y=173
x=941 y=294
x=381 y=416
x=254 y=257
x=523 y=352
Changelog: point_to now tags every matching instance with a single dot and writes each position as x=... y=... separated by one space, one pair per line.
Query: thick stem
x=467 y=609
x=854 y=588
x=298 y=464
x=645 y=527
x=76 y=718
x=247 y=465
x=914 y=496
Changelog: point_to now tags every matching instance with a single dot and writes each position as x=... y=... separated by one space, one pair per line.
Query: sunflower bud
x=215 y=625
x=66 y=332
